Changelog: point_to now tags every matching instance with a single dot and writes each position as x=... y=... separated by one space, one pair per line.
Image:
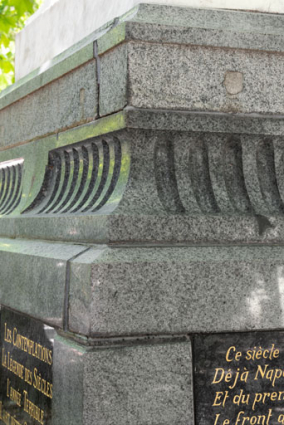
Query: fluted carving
x=10 y=185
x=221 y=174
x=80 y=178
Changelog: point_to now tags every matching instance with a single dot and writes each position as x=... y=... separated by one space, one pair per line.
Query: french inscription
x=239 y=379
x=26 y=390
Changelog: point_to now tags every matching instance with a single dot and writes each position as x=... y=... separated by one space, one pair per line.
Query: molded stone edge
x=88 y=381
x=239 y=201
x=33 y=277
x=242 y=25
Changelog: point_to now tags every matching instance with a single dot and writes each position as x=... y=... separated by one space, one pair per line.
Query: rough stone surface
x=165 y=77
x=113 y=83
x=139 y=385
x=33 y=277
x=207 y=33
x=65 y=102
x=172 y=290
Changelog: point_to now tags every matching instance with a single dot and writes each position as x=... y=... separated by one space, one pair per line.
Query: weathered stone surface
x=113 y=81
x=164 y=76
x=33 y=277
x=208 y=43
x=139 y=385
x=141 y=291
x=211 y=184
x=68 y=101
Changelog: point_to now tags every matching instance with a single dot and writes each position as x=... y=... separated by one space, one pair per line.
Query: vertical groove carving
x=200 y=177
x=79 y=179
x=214 y=174
x=10 y=185
x=234 y=176
x=267 y=176
x=166 y=177
x=92 y=178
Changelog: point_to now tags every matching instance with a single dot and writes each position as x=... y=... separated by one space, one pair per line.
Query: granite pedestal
x=142 y=225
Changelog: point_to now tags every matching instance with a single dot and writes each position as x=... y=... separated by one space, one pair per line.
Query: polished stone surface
x=26 y=378
x=68 y=101
x=239 y=376
x=68 y=382
x=33 y=277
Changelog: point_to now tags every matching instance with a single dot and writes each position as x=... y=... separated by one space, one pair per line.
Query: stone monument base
x=142 y=226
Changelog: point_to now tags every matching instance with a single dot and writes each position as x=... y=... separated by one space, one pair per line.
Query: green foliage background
x=13 y=15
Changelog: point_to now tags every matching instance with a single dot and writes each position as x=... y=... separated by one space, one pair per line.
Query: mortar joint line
x=98 y=71
x=67 y=289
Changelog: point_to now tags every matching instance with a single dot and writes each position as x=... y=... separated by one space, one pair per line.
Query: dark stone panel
x=26 y=381
x=239 y=378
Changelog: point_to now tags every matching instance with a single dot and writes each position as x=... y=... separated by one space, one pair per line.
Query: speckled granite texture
x=139 y=385
x=138 y=291
x=133 y=384
x=142 y=203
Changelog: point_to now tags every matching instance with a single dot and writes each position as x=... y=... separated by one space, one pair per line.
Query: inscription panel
x=26 y=388
x=239 y=378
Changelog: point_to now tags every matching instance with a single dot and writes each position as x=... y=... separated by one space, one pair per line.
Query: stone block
x=164 y=77
x=113 y=80
x=137 y=385
x=138 y=291
x=68 y=382
x=65 y=102
x=33 y=277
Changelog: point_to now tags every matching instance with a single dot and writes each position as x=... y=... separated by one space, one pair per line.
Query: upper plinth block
x=55 y=19
x=154 y=57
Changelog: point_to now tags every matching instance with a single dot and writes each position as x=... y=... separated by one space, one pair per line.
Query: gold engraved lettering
x=259 y=353
x=6 y=417
x=31 y=347
x=253 y=420
x=7 y=334
x=218 y=398
x=270 y=374
x=4 y=359
x=14 y=421
x=225 y=422
x=15 y=396
x=41 y=384
x=230 y=356
x=33 y=410
x=217 y=379
x=15 y=367
x=8 y=387
x=28 y=376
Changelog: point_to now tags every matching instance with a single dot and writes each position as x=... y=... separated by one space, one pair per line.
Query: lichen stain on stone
x=234 y=82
